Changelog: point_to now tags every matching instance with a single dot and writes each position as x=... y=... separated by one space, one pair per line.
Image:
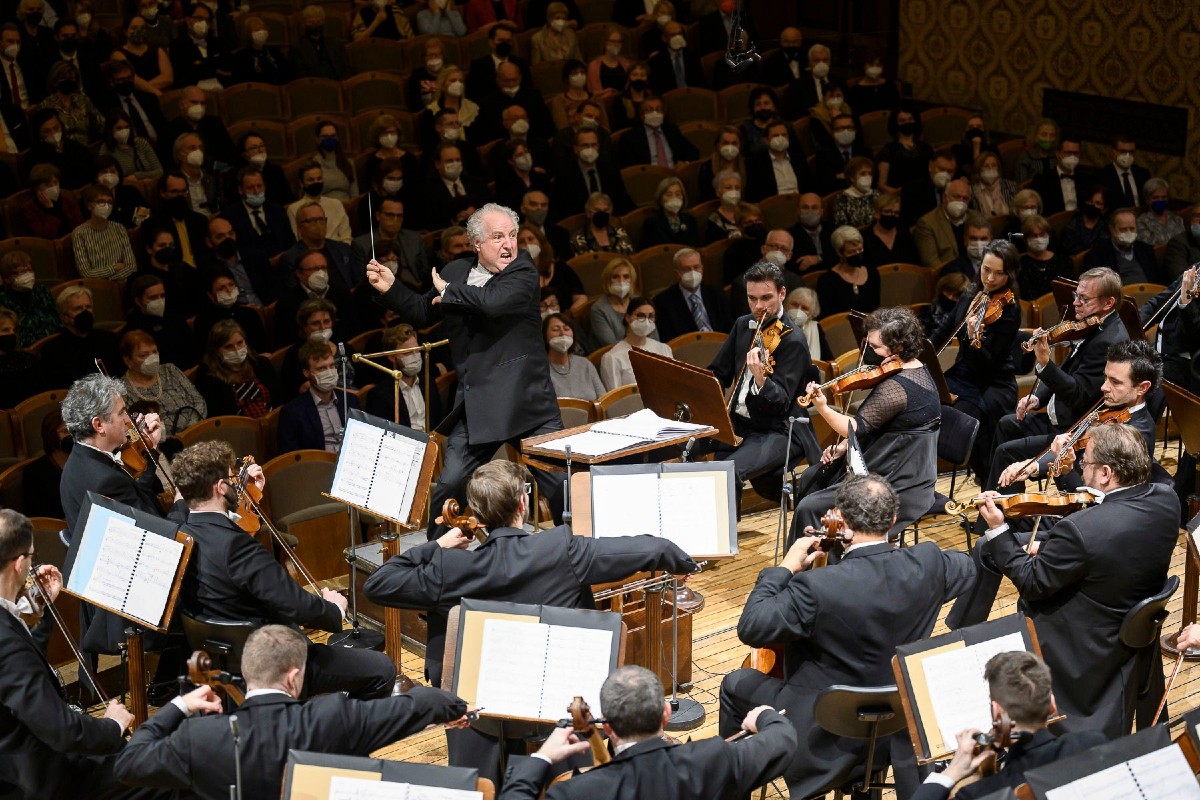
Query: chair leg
x=953 y=478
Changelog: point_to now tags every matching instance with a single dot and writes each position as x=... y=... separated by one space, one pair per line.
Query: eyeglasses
x=1083 y=299
x=1086 y=463
x=313 y=219
x=644 y=317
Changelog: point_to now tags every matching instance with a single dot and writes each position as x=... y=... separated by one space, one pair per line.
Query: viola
x=585 y=728
x=1066 y=331
x=766 y=338
x=867 y=376
x=1030 y=504
x=990 y=313
x=201 y=673
x=465 y=521
x=249 y=498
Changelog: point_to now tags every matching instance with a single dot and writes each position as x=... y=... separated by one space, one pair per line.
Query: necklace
x=153 y=392
x=559 y=370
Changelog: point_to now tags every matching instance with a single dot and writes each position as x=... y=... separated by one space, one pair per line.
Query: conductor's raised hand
x=379 y=276
x=438 y=283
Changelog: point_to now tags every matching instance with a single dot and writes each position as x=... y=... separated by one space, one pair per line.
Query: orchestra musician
x=49 y=750
x=553 y=567
x=896 y=426
x=983 y=374
x=761 y=399
x=646 y=765
x=1094 y=566
x=233 y=577
x=1020 y=688
x=841 y=625
x=187 y=745
x=1133 y=371
x=488 y=302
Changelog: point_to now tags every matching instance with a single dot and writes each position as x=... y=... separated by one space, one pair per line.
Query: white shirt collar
x=114 y=456
x=262 y=692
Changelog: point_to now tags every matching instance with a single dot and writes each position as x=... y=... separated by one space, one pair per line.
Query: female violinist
x=895 y=426
x=985 y=322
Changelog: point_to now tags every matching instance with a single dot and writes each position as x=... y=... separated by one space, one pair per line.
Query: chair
x=303 y=131
x=592 y=37
x=9 y=445
x=12 y=483
x=838 y=332
x=779 y=211
x=702 y=134
x=905 y=283
x=574 y=412
x=1046 y=310
x=635 y=221
x=108 y=297
x=697 y=348
x=51 y=549
x=322 y=528
x=1058 y=221
x=547 y=78
x=641 y=181
x=270 y=434
x=254 y=101
x=1139 y=631
x=955 y=440
x=619 y=402
x=861 y=712
x=689 y=174
x=1141 y=292
x=314 y=96
x=41 y=251
x=222 y=639
x=944 y=125
x=27 y=417
x=588 y=267
x=373 y=90
x=595 y=12
x=1010 y=154
x=243 y=434
x=378 y=55
x=735 y=100
x=598 y=354
x=690 y=104
x=656 y=266
x=874 y=126
x=713 y=258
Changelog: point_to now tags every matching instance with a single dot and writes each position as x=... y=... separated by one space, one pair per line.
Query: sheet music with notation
x=957 y=689
x=133 y=570
x=378 y=469
x=687 y=507
x=341 y=788
x=686 y=511
x=150 y=586
x=1161 y=774
x=356 y=463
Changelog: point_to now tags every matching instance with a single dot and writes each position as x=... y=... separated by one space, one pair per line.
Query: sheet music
x=341 y=788
x=577 y=661
x=504 y=687
x=393 y=489
x=150 y=585
x=1163 y=773
x=957 y=689
x=625 y=505
x=356 y=463
x=687 y=507
x=647 y=425
x=593 y=443
x=115 y=562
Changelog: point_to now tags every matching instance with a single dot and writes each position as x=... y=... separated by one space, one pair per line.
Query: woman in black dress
x=852 y=284
x=895 y=427
x=984 y=376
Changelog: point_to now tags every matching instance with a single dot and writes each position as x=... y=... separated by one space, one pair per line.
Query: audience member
x=813 y=242
x=803 y=307
x=380 y=19
x=832 y=166
x=312 y=189
x=1132 y=259
x=674 y=65
x=233 y=379
x=727 y=155
x=670 y=224
x=482 y=71
x=562 y=106
x=251 y=269
x=130 y=208
x=620 y=281
x=873 y=92
x=148 y=313
x=316 y=419
x=216 y=144
x=519 y=174
x=312 y=54
x=199 y=57
x=810 y=88
x=923 y=193
x=608 y=72
x=132 y=152
x=73 y=352
x=338 y=178
x=450 y=95
x=689 y=304
x=144 y=64
x=555 y=41
x=1061 y=188
x=1156 y=224
x=313 y=279
x=1040 y=265
x=49 y=213
x=30 y=301
x=887 y=241
x=439 y=18
x=572 y=374
x=977 y=232
x=991 y=195
x=1088 y=225
x=222 y=304
x=833 y=104
x=258 y=60
x=855 y=205
x=412 y=411
x=658 y=141
x=615 y=369
x=1123 y=181
x=780 y=169
x=80 y=120
x=851 y=284
x=555 y=277
x=480 y=13
x=72 y=159
x=1183 y=249
x=724 y=222
x=939 y=234
x=598 y=233
x=187 y=228
x=1038 y=157
x=316 y=321
x=637 y=88
x=786 y=66
x=21 y=373
x=423 y=79
x=41 y=477
x=160 y=384
x=101 y=248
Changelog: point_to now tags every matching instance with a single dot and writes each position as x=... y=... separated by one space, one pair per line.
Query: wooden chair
x=1010 y=154
x=293 y=494
x=598 y=354
x=51 y=550
x=1141 y=292
x=373 y=89
x=27 y=419
x=41 y=251
x=690 y=104
x=689 y=174
x=656 y=266
x=703 y=134
x=619 y=402
x=547 y=78
x=779 y=211
x=735 y=100
x=641 y=181
x=902 y=284
x=303 y=131
x=243 y=434
x=588 y=267
x=12 y=484
x=574 y=412
x=874 y=126
x=838 y=333
x=314 y=96
x=713 y=258
x=254 y=101
x=697 y=348
x=1046 y=311
x=635 y=221
x=9 y=444
x=944 y=124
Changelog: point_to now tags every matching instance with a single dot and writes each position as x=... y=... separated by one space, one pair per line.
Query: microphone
x=687 y=450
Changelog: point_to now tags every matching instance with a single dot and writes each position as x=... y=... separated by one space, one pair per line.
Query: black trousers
x=462 y=458
x=363 y=674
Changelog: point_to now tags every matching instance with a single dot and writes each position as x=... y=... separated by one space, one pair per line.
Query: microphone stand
x=691 y=600
x=566 y=514
x=235 y=789
x=785 y=495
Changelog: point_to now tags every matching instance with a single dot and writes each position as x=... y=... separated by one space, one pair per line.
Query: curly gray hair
x=89 y=397
x=475 y=221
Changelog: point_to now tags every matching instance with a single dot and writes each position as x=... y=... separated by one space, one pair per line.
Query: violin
x=1080 y=434
x=865 y=377
x=201 y=673
x=989 y=313
x=766 y=339
x=465 y=521
x=1030 y=504
x=585 y=727
x=834 y=537
x=85 y=667
x=249 y=498
x=1071 y=330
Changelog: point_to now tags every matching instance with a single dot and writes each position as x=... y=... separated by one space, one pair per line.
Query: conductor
x=488 y=302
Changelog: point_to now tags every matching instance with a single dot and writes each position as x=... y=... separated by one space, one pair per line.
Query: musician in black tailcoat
x=488 y=303
x=833 y=634
x=233 y=577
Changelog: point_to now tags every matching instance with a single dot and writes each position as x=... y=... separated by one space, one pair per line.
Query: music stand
x=663 y=382
x=858 y=324
x=929 y=357
x=1185 y=408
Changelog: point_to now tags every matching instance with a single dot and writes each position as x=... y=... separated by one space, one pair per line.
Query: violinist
x=896 y=425
x=552 y=568
x=841 y=625
x=50 y=751
x=1019 y=685
x=1093 y=567
x=983 y=374
x=761 y=397
x=233 y=577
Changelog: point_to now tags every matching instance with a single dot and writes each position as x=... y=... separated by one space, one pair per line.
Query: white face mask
x=1126 y=238
x=453 y=169
x=641 y=327
x=1038 y=244
x=691 y=279
x=1125 y=160
x=235 y=357
x=561 y=344
x=523 y=162
x=1026 y=212
x=653 y=118
x=820 y=69
x=260 y=37
x=511 y=91
x=677 y=42
x=388 y=140
x=588 y=155
x=873 y=72
x=200 y=29
x=157 y=307
x=612 y=49
x=731 y=197
x=577 y=80
x=51 y=193
x=227 y=299
x=976 y=249
x=322 y=335
x=779 y=144
x=434 y=65
x=54 y=139
x=452 y=134
x=319 y=281
x=109 y=179
x=391 y=186
x=195 y=158
x=325 y=379
x=844 y=138
x=662 y=20
x=863 y=183
x=121 y=135
x=775 y=257
x=619 y=288
x=558 y=25
x=454 y=88
x=941 y=178
x=25 y=281
x=151 y=365
x=545 y=312
x=1069 y=163
x=588 y=123
x=195 y=113
x=956 y=208
x=149 y=13
x=989 y=176
x=834 y=103
x=12 y=51
x=798 y=316
x=101 y=210
x=730 y=151
x=673 y=205
x=258 y=159
x=411 y=363
x=520 y=127
x=534 y=249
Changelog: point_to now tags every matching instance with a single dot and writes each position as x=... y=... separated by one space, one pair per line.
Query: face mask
x=8 y=343
x=1091 y=212
x=779 y=144
x=227 y=249
x=534 y=249
x=855 y=260
x=641 y=327
x=520 y=127
x=906 y=128
x=503 y=49
x=730 y=151
x=798 y=316
x=612 y=49
x=731 y=197
x=523 y=162
x=989 y=176
x=121 y=135
x=329 y=143
x=619 y=288
x=53 y=139
x=228 y=300
x=156 y=308
x=151 y=365
x=810 y=218
x=653 y=118
x=260 y=37
x=873 y=72
x=577 y=80
x=411 y=363
x=453 y=169
x=511 y=91
x=561 y=344
x=588 y=123
x=588 y=155
x=433 y=66
x=84 y=321
x=638 y=85
x=1069 y=163
x=1159 y=206
x=558 y=25
x=52 y=192
x=754 y=230
x=165 y=255
x=319 y=281
x=834 y=103
x=454 y=88
x=68 y=87
x=975 y=250
x=600 y=219
x=258 y=159
x=108 y=179
x=763 y=114
x=1126 y=238
x=236 y=357
x=536 y=216
x=673 y=205
x=323 y=335
x=691 y=279
x=889 y=221
x=314 y=31
x=26 y=280
x=195 y=113
x=392 y=185
x=1038 y=244
x=12 y=51
x=677 y=42
x=775 y=257
x=195 y=158
x=314 y=189
x=863 y=183
x=200 y=29
x=956 y=208
x=545 y=312
x=820 y=69
x=941 y=178
x=256 y=200
x=1046 y=144
x=101 y=210
x=844 y=138
x=1026 y=212
x=1125 y=160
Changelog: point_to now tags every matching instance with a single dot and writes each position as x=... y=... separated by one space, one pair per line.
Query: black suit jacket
x=662 y=71
x=324 y=59
x=760 y=175
x=196 y=226
x=70 y=357
x=496 y=343
x=770 y=407
x=1114 y=190
x=263 y=279
x=552 y=568
x=571 y=189
x=381 y=403
x=1077 y=590
x=918 y=198
x=1075 y=385
x=831 y=636
x=219 y=149
x=195 y=755
x=191 y=67
x=1048 y=185
x=1142 y=269
x=44 y=743
x=675 y=315
x=210 y=314
x=437 y=205
x=481 y=75
x=708 y=768
x=277 y=238
x=635 y=147
x=492 y=104
x=805 y=246
x=829 y=163
x=300 y=425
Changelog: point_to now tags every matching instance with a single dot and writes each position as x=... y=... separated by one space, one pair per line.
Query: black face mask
x=123 y=88
x=68 y=87
x=600 y=219
x=8 y=343
x=69 y=46
x=907 y=128
x=314 y=189
x=1090 y=211
x=66 y=443
x=314 y=31
x=638 y=85
x=889 y=221
x=34 y=19
x=974 y=133
x=503 y=49
x=763 y=114
x=871 y=357
x=227 y=249
x=166 y=255
x=855 y=260
x=177 y=207
x=755 y=230
x=84 y=321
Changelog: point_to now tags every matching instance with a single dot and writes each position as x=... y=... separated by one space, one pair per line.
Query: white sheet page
x=356 y=463
x=625 y=505
x=593 y=443
x=344 y=788
x=511 y=659
x=1161 y=774
x=577 y=662
x=150 y=585
x=115 y=563
x=957 y=689
x=688 y=506
x=395 y=482
x=416 y=792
